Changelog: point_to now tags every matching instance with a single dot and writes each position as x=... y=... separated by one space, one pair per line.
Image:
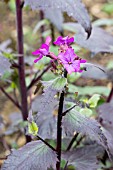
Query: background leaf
x=99 y=41
x=4 y=65
x=74 y=121
x=74 y=8
x=89 y=90
x=34 y=155
x=84 y=158
x=95 y=72
x=4 y=47
x=94 y=100
x=105 y=116
x=55 y=17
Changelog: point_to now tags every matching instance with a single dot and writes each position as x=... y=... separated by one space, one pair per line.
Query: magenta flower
x=62 y=41
x=71 y=61
x=43 y=50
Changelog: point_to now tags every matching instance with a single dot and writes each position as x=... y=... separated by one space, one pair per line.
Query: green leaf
x=12 y=5
x=59 y=83
x=110 y=64
x=8 y=55
x=94 y=100
x=73 y=77
x=108 y=8
x=54 y=49
x=89 y=90
x=48 y=76
x=32 y=128
x=87 y=112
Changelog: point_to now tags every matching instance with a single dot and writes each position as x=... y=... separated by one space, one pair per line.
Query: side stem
x=10 y=98
x=59 y=127
x=42 y=27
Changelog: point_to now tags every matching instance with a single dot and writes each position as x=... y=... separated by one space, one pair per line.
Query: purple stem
x=59 y=127
x=52 y=33
x=72 y=141
x=21 y=69
x=110 y=95
x=42 y=27
x=46 y=143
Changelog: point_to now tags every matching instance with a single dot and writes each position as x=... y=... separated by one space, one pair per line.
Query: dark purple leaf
x=15 y=119
x=56 y=17
x=74 y=121
x=109 y=138
x=45 y=118
x=106 y=116
x=74 y=8
x=34 y=155
x=99 y=41
x=94 y=71
x=4 y=65
x=84 y=158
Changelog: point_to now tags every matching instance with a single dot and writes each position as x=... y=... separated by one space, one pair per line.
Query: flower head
x=70 y=61
x=62 y=41
x=43 y=50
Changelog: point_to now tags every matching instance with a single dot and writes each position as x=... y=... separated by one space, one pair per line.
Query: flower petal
x=58 y=41
x=82 y=61
x=76 y=65
x=48 y=40
x=36 y=52
x=37 y=59
x=70 y=40
x=69 y=68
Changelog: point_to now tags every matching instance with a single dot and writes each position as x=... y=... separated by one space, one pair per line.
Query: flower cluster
x=66 y=57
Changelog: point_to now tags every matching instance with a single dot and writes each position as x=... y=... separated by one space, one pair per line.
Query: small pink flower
x=43 y=50
x=62 y=41
x=70 y=61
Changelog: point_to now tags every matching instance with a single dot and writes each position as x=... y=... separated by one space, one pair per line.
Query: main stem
x=59 y=127
x=21 y=69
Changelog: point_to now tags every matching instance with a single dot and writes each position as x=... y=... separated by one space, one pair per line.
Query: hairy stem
x=59 y=127
x=23 y=89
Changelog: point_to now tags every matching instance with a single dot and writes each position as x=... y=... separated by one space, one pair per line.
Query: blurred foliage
x=108 y=8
